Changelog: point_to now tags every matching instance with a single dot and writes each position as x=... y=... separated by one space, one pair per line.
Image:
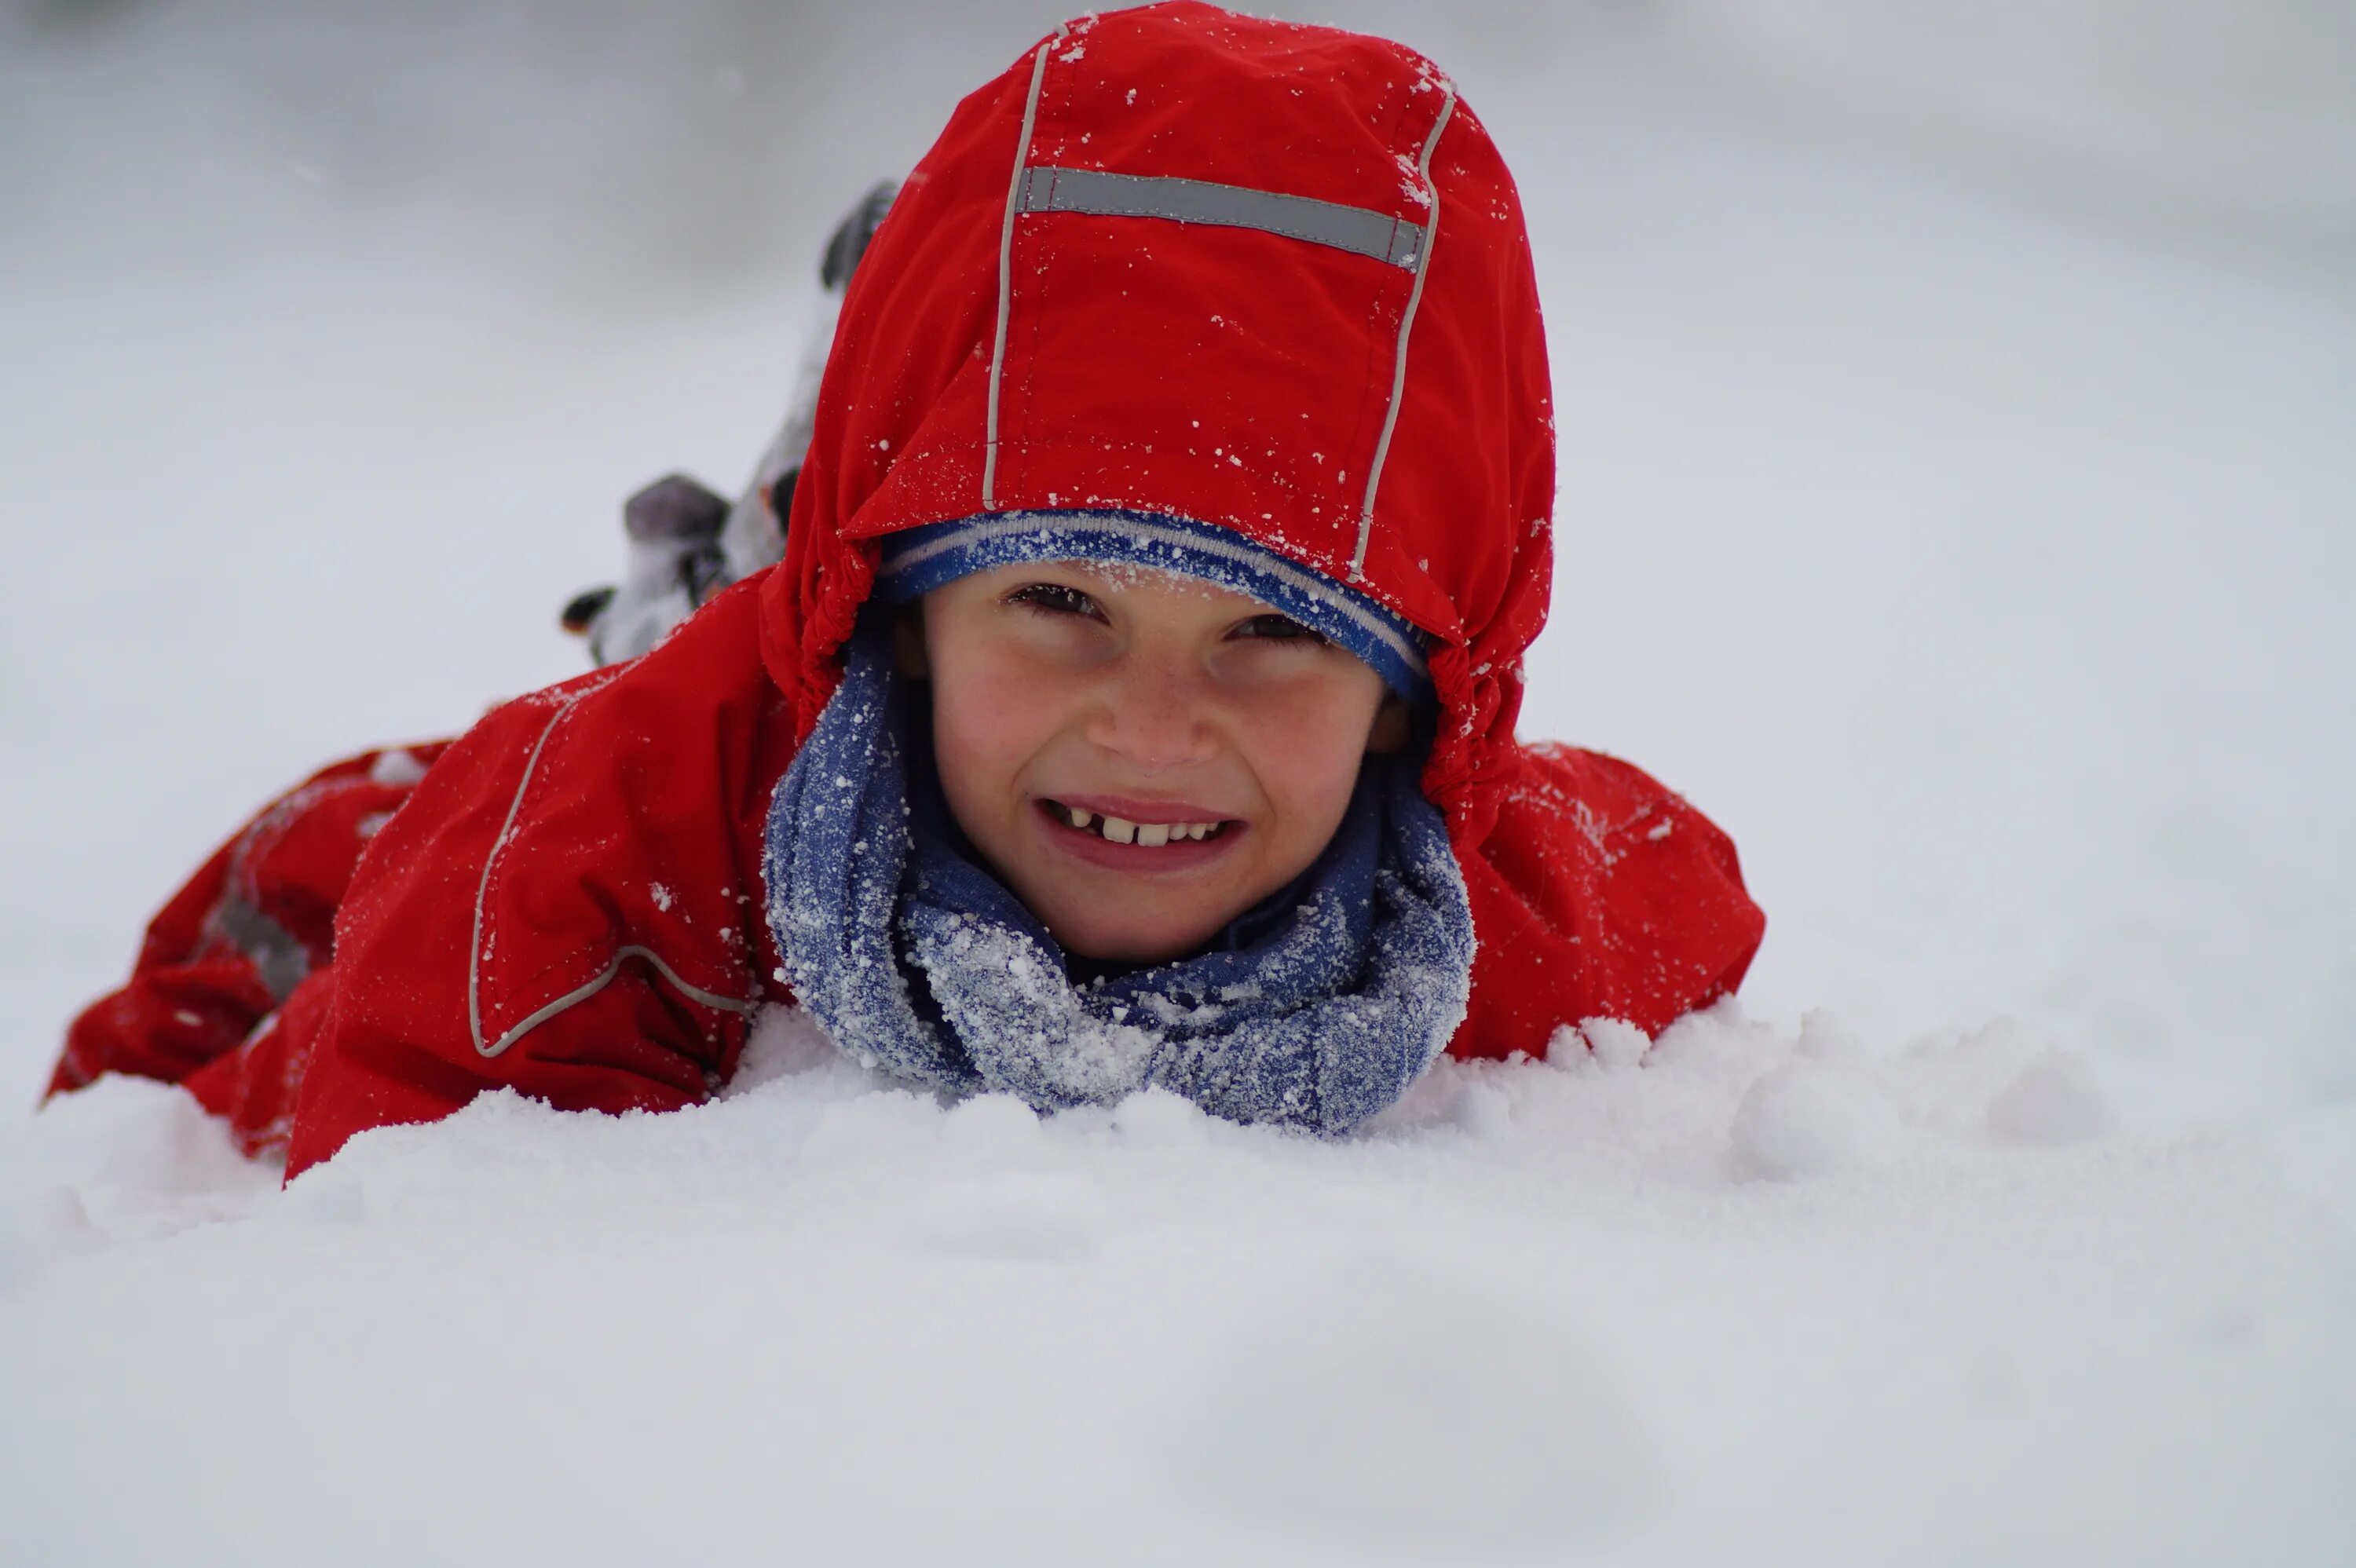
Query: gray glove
x=686 y=542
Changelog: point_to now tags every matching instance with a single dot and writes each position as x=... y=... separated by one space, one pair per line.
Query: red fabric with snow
x=243 y=937
x=570 y=906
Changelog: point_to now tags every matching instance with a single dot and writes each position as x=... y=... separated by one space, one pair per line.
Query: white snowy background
x=1958 y=421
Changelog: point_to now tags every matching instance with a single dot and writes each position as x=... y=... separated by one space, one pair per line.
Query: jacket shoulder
x=1600 y=893
x=570 y=904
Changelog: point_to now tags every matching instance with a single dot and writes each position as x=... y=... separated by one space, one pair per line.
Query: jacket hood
x=1249 y=274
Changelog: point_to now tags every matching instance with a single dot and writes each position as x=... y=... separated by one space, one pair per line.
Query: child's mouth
x=1171 y=835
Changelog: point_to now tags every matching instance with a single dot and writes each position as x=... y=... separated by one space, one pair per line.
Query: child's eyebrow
x=1130 y=573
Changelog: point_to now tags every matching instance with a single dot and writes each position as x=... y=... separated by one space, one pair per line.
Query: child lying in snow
x=1133 y=705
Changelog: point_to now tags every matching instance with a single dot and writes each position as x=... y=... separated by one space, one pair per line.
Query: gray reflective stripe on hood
x=581 y=992
x=1398 y=354
x=1006 y=270
x=1360 y=231
x=276 y=953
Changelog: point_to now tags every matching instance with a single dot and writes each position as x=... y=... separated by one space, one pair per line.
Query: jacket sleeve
x=1599 y=893
x=238 y=937
x=569 y=908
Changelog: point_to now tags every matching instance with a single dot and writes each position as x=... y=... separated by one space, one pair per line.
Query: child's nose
x=1157 y=714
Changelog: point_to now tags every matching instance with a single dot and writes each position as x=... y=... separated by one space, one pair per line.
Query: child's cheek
x=1309 y=738
x=991 y=710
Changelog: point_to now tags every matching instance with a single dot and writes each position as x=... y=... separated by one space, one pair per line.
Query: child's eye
x=1279 y=629
x=1054 y=599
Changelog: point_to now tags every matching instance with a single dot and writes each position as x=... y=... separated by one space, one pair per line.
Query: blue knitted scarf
x=1315 y=1010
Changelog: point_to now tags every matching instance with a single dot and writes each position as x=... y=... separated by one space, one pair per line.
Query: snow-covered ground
x=1958 y=409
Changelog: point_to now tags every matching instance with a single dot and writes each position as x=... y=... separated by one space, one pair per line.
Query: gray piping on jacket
x=580 y=993
x=1406 y=325
x=1360 y=231
x=572 y=997
x=1006 y=273
x=275 y=953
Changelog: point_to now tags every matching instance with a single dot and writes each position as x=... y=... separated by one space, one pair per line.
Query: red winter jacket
x=1269 y=277
x=243 y=946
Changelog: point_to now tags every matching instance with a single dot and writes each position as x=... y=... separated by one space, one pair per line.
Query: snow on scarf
x=1316 y=1009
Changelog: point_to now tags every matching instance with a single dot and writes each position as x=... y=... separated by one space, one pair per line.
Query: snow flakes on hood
x=1411 y=181
x=1026 y=360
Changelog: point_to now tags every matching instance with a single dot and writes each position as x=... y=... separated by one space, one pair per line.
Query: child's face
x=1159 y=706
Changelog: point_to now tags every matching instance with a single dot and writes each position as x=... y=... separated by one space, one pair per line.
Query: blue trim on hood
x=920 y=559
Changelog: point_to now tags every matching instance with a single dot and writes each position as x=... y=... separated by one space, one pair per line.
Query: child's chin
x=1121 y=942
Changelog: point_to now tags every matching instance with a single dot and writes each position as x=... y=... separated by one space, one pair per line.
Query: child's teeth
x=1148 y=835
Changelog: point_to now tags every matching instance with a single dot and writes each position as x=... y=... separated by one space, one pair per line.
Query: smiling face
x=1140 y=756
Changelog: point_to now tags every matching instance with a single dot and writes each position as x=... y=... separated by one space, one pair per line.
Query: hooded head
x=1232 y=279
